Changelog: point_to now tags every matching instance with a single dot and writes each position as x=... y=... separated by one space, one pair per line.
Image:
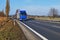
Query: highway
x=48 y=29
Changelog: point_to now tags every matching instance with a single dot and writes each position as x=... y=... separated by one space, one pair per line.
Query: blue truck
x=23 y=15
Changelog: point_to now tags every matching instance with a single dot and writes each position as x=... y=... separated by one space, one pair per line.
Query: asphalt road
x=48 y=29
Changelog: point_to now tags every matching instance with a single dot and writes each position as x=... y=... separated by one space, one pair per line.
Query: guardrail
x=29 y=32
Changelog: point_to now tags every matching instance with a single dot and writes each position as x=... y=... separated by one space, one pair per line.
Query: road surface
x=48 y=29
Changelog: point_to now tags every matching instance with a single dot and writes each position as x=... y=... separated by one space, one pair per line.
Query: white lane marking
x=46 y=24
x=44 y=38
x=49 y=25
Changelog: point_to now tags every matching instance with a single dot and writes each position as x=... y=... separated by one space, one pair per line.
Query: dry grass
x=54 y=20
x=2 y=19
x=11 y=32
x=44 y=18
x=47 y=18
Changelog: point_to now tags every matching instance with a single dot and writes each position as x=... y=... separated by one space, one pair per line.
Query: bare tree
x=53 y=13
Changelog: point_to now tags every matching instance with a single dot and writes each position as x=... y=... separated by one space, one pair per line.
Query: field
x=9 y=31
x=47 y=18
x=55 y=20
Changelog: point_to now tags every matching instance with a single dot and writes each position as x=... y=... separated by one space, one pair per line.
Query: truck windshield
x=23 y=13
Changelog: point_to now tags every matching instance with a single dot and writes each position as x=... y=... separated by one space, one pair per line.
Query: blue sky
x=33 y=7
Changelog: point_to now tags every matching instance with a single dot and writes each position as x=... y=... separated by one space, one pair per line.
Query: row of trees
x=53 y=13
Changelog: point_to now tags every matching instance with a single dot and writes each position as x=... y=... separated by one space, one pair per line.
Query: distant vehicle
x=23 y=15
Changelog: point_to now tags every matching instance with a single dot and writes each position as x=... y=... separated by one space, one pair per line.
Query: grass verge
x=11 y=32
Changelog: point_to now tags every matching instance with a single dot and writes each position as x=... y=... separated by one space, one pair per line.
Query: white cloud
x=36 y=10
x=39 y=10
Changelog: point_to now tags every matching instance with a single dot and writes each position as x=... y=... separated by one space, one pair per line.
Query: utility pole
x=7 y=8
